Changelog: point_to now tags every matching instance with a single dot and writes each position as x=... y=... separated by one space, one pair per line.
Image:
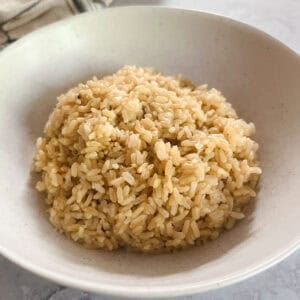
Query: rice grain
x=140 y=160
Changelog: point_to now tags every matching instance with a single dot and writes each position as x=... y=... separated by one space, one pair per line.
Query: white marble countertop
x=281 y=19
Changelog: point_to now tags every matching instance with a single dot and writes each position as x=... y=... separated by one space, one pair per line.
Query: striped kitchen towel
x=18 y=17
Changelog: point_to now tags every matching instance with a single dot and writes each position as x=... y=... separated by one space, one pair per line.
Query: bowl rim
x=145 y=291
x=154 y=291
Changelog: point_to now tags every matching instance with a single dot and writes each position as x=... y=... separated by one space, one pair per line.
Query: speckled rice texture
x=144 y=161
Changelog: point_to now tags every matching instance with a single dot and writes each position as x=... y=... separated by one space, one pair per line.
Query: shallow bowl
x=258 y=74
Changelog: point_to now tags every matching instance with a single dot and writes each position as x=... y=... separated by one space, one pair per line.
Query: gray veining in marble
x=280 y=18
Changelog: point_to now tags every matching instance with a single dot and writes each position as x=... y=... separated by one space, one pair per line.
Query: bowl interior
x=257 y=74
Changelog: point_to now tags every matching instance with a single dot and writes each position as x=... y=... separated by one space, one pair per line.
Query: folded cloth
x=18 y=17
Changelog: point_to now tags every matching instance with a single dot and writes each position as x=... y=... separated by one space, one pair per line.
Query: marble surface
x=281 y=19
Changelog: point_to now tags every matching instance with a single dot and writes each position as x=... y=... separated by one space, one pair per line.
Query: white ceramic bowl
x=259 y=75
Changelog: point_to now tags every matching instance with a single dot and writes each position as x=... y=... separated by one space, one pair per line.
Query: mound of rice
x=145 y=161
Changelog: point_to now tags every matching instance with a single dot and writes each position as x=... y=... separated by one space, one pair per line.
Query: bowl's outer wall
x=256 y=73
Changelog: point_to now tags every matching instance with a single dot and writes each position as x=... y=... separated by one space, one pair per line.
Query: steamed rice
x=144 y=161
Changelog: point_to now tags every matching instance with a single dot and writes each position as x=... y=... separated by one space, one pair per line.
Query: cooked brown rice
x=140 y=160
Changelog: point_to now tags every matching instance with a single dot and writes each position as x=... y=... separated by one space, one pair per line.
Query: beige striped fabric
x=19 y=17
